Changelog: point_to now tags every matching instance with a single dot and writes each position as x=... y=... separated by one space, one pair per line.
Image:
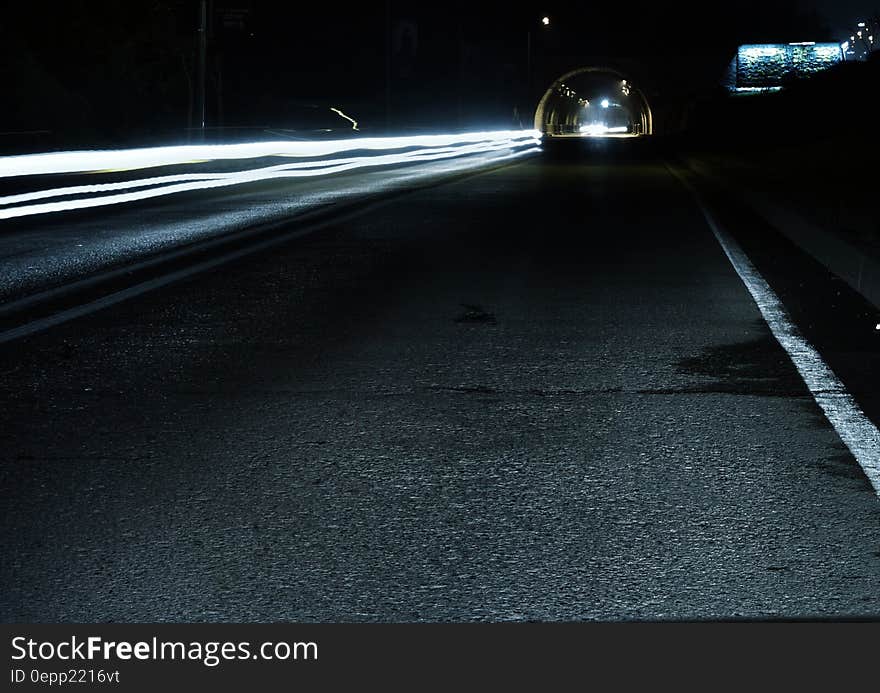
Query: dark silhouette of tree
x=97 y=71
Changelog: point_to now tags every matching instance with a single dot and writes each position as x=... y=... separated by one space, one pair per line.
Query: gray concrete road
x=540 y=393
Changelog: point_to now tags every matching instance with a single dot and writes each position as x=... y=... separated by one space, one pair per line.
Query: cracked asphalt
x=540 y=393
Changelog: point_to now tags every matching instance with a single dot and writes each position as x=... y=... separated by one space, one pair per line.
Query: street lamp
x=545 y=22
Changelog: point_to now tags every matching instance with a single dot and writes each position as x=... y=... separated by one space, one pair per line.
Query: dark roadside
x=793 y=176
x=807 y=161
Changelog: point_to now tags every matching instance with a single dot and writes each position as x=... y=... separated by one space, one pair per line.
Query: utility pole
x=461 y=51
x=387 y=66
x=201 y=107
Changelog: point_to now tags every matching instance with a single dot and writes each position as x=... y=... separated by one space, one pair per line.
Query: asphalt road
x=44 y=251
x=538 y=393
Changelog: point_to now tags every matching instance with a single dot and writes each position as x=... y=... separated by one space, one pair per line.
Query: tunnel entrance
x=594 y=102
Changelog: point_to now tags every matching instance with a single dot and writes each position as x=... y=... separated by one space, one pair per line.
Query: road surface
x=536 y=393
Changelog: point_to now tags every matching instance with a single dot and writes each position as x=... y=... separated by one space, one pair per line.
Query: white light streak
x=150 y=157
x=415 y=150
x=354 y=124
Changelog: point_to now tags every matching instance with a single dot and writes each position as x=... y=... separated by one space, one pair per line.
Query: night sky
x=105 y=69
x=841 y=15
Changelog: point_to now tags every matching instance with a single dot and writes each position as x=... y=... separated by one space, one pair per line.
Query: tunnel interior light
x=803 y=43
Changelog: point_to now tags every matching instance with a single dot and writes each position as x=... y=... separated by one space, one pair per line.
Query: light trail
x=354 y=123
x=151 y=157
x=318 y=167
x=417 y=149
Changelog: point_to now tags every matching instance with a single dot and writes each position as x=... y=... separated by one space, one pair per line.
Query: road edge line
x=852 y=425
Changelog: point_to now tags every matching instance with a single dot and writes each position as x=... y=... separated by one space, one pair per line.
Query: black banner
x=271 y=657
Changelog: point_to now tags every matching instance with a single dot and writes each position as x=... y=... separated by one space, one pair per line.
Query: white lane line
x=855 y=429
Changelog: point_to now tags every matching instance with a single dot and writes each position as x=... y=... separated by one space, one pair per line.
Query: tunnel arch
x=543 y=116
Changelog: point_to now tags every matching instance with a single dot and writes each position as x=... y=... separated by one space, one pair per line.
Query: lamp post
x=201 y=107
x=387 y=51
x=545 y=22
